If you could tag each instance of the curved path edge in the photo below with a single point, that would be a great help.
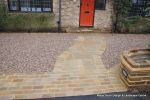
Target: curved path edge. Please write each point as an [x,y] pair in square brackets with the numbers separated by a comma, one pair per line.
[78,71]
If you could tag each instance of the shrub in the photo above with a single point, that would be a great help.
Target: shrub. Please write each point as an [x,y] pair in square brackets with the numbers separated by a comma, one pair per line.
[135,25]
[121,8]
[31,22]
[125,23]
[3,15]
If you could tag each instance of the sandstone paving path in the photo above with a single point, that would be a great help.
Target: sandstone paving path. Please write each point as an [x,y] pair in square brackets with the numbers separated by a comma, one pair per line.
[78,71]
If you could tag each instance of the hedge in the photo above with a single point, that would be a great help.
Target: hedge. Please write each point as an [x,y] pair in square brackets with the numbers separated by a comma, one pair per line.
[3,15]
[135,24]
[31,22]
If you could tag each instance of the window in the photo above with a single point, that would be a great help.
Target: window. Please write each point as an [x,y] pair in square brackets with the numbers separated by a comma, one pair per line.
[140,8]
[13,5]
[25,5]
[46,6]
[36,5]
[134,1]
[139,2]
[30,5]
[100,4]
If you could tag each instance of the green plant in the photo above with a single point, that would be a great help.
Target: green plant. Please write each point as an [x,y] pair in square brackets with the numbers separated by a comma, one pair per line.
[135,24]
[30,22]
[121,8]
[3,15]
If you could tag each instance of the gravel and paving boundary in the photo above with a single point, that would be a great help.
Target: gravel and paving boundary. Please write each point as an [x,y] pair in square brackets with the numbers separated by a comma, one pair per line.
[116,43]
[79,70]
[31,52]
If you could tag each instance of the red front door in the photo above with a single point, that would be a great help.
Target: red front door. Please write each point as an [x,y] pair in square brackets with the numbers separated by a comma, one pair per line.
[87,13]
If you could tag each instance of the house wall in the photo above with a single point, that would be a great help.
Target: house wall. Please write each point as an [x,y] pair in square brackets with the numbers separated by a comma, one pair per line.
[70,12]
[71,15]
[103,18]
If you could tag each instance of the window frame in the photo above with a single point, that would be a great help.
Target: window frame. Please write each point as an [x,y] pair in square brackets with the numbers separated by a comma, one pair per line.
[19,8]
[138,2]
[104,8]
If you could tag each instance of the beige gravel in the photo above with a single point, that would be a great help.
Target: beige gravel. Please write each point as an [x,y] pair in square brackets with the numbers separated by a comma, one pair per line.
[31,52]
[117,43]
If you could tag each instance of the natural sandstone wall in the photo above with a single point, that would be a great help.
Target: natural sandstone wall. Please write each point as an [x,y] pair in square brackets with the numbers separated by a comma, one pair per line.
[56,10]
[103,18]
[70,12]
[71,15]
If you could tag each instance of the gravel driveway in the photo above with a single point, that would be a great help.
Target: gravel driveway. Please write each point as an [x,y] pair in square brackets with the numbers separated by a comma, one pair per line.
[116,43]
[31,52]
[37,52]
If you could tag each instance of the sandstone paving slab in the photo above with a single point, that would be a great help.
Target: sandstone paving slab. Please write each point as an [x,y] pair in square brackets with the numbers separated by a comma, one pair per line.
[78,71]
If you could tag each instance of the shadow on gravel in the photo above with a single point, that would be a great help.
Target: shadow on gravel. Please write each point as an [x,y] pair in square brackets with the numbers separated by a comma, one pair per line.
[109,96]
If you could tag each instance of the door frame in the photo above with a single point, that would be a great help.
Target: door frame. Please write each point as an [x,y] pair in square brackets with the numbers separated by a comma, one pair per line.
[93,16]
